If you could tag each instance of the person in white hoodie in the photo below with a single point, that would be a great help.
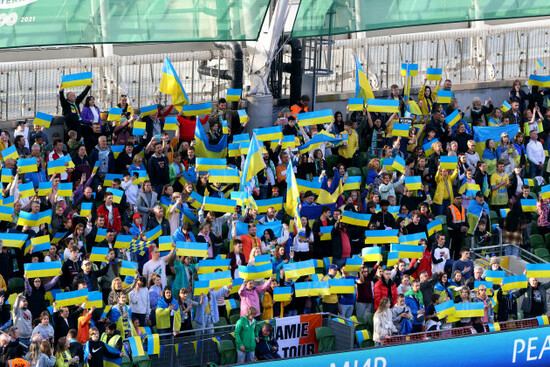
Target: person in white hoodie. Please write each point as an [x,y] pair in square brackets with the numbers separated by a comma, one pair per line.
[440,254]
[22,319]
[139,301]
[383,323]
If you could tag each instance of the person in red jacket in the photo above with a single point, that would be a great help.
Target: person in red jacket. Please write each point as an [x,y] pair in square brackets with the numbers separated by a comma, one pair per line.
[425,264]
[110,213]
[385,288]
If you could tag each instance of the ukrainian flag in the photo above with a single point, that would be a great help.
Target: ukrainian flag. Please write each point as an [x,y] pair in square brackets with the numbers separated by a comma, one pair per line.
[408,251]
[276,203]
[545,192]
[7,175]
[42,270]
[514,282]
[315,118]
[116,149]
[269,133]
[86,209]
[170,123]
[139,128]
[256,272]
[100,234]
[298,269]
[505,106]
[27,218]
[413,182]
[65,189]
[234,150]
[99,254]
[289,141]
[352,183]
[43,119]
[26,190]
[539,64]
[219,205]
[401,129]
[205,164]
[529,181]
[282,294]
[428,147]
[362,86]
[225,127]
[210,265]
[243,117]
[201,287]
[354,263]
[58,236]
[233,95]
[306,289]
[170,84]
[471,309]
[153,344]
[381,236]
[204,149]
[197,109]
[254,162]
[399,164]
[128,268]
[493,327]
[95,298]
[6,213]
[154,233]
[44,188]
[64,299]
[76,80]
[356,219]
[15,240]
[241,138]
[146,110]
[117,194]
[412,239]
[372,254]
[445,309]
[356,104]
[434,74]
[539,80]
[164,243]
[448,162]
[59,165]
[45,217]
[342,286]
[228,175]
[362,335]
[434,226]
[444,96]
[115,114]
[327,233]
[529,205]
[217,280]
[469,188]
[538,270]
[409,69]
[453,118]
[10,153]
[292,197]
[136,347]
[124,241]
[195,200]
[383,105]
[194,249]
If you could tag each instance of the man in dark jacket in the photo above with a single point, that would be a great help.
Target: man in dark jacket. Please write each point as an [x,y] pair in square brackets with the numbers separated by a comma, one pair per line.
[383,218]
[153,126]
[71,109]
[65,319]
[89,276]
[267,347]
[321,248]
[341,245]
[158,169]
[534,303]
[427,285]
[159,220]
[71,267]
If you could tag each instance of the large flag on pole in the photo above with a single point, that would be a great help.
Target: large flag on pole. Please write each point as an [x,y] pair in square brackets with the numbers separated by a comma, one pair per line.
[292,196]
[254,162]
[170,84]
[362,86]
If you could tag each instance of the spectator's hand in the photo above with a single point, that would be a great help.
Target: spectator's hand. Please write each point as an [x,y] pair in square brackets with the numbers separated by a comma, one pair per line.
[242,348]
[467,269]
[257,340]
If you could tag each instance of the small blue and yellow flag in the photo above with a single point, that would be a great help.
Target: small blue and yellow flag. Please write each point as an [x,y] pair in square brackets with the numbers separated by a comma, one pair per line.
[543,320]
[86,209]
[243,116]
[210,265]
[139,128]
[305,185]
[315,288]
[445,309]
[241,138]
[342,286]
[399,164]
[10,153]
[164,243]
[276,203]
[538,270]
[64,299]
[64,189]
[6,213]
[434,74]
[115,114]
[201,287]
[15,240]
[282,294]
[326,233]
[493,327]
[381,236]
[529,182]
[225,127]
[356,104]
[205,164]
[43,119]
[372,253]
[401,129]
[41,243]
[136,346]
[197,109]
[514,282]
[470,309]
[269,133]
[545,192]
[539,80]
[444,96]
[362,86]
[234,149]
[195,249]
[95,298]
[99,254]
[45,217]
[408,69]
[117,194]
[256,272]
[233,95]
[539,64]
[42,270]
[26,190]
[434,226]
[469,189]
[448,162]
[412,239]
[218,279]
[408,251]
[453,118]
[125,240]
[315,118]
[148,110]
[60,165]
[7,175]
[495,276]
[58,236]
[227,175]
[289,141]
[76,80]
[354,263]
[393,258]
[413,182]
[109,177]
[101,234]
[383,105]
[154,233]
[171,123]
[505,106]
[153,344]
[219,205]
[116,149]
[529,205]
[428,147]
[362,335]
[356,219]
[352,183]
[298,269]
[128,268]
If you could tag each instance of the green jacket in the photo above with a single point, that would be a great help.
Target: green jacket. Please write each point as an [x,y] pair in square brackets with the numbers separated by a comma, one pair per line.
[245,334]
[181,280]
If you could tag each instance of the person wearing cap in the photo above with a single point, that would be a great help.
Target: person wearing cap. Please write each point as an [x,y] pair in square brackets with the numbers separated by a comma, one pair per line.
[383,218]
[457,224]
[137,225]
[22,319]
[89,276]
[331,303]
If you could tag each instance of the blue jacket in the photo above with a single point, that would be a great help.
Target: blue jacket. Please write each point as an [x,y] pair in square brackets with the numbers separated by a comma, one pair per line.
[415,307]
[94,156]
[179,236]
[36,177]
[214,296]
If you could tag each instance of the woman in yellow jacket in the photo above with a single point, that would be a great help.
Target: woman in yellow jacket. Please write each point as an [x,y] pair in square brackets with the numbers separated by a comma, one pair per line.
[444,190]
[62,356]
[270,306]
[427,98]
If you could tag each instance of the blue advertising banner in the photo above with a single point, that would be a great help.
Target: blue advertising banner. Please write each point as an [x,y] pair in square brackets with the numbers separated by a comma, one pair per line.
[527,347]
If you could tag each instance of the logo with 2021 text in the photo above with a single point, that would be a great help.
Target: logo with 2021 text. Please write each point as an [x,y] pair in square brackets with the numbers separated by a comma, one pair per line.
[11,19]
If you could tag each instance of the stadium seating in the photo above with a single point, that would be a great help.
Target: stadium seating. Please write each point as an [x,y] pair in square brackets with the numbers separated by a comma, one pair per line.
[326,339]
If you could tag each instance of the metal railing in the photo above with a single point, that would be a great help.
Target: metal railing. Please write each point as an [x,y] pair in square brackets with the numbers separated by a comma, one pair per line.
[504,250]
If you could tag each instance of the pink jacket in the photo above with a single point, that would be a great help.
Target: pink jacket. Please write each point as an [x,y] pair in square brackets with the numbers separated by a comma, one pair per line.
[251,298]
